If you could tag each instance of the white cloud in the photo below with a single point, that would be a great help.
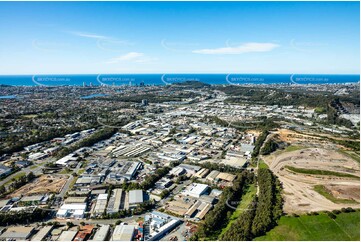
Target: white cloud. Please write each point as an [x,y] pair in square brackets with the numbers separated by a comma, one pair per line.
[132,57]
[89,35]
[243,48]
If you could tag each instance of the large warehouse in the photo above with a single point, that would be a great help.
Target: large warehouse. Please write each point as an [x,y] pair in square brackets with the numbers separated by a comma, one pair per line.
[135,198]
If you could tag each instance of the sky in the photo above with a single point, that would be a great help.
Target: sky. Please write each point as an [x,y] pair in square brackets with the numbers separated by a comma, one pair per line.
[179,37]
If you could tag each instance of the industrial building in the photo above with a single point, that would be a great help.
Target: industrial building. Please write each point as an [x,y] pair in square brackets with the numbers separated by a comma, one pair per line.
[66,159]
[177,171]
[126,171]
[75,200]
[212,176]
[100,204]
[135,198]
[226,177]
[42,233]
[17,233]
[131,150]
[195,190]
[123,232]
[201,173]
[132,170]
[116,201]
[35,199]
[67,235]
[160,224]
[191,169]
[4,171]
[102,233]
[87,180]
[73,210]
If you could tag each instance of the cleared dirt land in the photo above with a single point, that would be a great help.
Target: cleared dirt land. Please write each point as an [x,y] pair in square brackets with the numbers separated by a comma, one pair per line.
[336,175]
[42,185]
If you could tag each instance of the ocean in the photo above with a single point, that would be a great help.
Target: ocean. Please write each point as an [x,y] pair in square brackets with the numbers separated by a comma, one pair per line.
[165,79]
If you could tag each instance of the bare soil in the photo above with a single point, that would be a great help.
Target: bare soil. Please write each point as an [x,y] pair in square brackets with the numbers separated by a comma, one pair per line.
[42,185]
[299,194]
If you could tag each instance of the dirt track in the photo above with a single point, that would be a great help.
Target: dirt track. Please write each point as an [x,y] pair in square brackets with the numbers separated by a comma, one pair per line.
[298,188]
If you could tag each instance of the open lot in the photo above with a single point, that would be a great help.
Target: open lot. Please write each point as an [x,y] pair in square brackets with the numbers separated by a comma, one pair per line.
[316,227]
[43,184]
[300,170]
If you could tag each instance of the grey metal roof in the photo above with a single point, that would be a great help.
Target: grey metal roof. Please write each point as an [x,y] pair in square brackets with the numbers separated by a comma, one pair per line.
[135,196]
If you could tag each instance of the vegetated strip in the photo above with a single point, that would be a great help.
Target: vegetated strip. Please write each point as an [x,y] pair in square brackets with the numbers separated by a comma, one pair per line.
[320,172]
[218,218]
[262,214]
[245,205]
[99,135]
[321,189]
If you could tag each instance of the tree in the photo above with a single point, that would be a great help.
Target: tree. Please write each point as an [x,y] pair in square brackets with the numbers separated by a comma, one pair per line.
[30,176]
[69,224]
[2,189]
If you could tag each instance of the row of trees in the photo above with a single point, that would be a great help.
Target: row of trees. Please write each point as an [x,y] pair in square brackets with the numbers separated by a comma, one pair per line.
[23,217]
[149,180]
[259,142]
[17,183]
[222,211]
[269,204]
[241,229]
[99,135]
[270,146]
[217,166]
[262,214]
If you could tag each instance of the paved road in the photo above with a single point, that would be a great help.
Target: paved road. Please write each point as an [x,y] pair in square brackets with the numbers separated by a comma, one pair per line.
[68,182]
[98,221]
[27,170]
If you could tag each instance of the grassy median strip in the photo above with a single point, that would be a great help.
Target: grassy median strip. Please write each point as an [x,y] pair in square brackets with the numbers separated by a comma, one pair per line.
[320,172]
[321,189]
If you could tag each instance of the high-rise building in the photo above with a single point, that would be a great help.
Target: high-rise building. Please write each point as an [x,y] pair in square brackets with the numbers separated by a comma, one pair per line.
[144,102]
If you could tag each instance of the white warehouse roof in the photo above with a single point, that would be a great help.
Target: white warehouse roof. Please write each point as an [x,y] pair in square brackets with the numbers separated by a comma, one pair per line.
[135,196]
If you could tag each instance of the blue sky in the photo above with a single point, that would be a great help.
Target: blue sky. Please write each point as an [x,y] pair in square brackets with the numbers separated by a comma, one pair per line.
[179,37]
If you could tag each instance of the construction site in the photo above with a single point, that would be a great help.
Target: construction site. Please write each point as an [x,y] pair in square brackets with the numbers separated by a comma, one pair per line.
[316,179]
[44,184]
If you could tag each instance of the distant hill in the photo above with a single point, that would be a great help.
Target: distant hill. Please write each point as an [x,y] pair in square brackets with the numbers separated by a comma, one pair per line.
[193,84]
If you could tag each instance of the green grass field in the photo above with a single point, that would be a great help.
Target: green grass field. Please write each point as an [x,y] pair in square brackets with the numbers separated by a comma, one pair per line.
[316,227]
[293,148]
[320,172]
[246,200]
[262,164]
[324,192]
